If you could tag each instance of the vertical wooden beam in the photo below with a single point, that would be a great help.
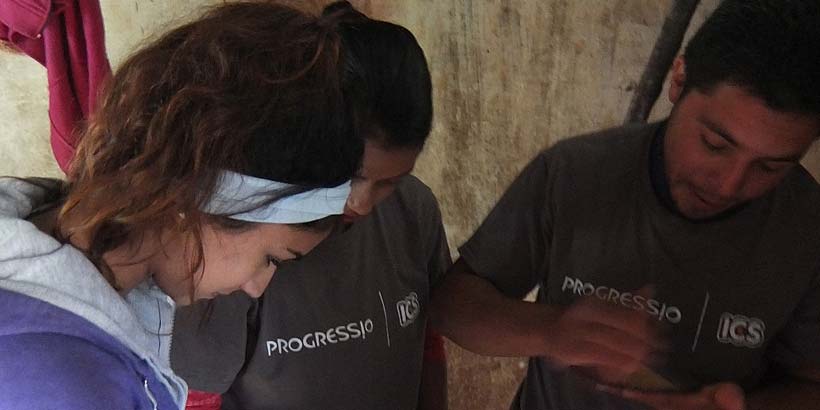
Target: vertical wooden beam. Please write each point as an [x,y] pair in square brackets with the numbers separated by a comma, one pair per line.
[663,54]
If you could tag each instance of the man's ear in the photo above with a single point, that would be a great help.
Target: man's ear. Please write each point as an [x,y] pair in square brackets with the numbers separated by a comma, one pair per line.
[677,81]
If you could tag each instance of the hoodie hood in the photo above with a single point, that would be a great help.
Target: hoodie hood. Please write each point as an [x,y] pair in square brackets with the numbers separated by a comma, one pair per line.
[36,265]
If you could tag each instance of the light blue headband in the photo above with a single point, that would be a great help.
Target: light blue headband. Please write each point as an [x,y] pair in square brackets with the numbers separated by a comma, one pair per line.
[242,197]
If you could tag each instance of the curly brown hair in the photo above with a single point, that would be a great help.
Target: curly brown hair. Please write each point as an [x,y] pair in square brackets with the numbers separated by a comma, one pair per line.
[254,87]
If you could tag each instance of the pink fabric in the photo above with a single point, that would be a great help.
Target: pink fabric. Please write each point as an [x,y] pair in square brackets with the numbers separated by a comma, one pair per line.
[434,350]
[67,37]
[200,400]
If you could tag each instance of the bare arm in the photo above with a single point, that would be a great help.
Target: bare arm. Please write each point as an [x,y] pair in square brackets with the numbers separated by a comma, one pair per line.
[474,314]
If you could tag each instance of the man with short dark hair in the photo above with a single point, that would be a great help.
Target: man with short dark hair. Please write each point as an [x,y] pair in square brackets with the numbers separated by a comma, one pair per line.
[678,262]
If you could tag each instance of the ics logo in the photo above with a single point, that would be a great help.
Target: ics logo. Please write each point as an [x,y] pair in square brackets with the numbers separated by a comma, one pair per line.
[740,330]
[408,309]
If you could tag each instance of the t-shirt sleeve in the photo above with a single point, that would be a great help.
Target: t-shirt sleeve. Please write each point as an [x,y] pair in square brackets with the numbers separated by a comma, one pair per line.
[510,248]
[798,344]
[210,339]
[53,371]
[440,260]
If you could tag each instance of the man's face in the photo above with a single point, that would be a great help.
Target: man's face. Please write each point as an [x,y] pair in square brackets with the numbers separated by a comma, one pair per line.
[726,147]
[382,169]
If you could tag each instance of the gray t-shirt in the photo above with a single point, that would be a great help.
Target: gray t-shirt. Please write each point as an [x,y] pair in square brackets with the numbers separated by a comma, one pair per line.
[341,329]
[735,294]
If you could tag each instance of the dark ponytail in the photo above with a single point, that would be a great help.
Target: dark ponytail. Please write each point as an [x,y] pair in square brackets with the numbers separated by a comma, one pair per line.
[396,91]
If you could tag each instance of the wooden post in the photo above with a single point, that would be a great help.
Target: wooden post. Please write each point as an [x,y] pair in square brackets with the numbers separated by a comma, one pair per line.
[663,54]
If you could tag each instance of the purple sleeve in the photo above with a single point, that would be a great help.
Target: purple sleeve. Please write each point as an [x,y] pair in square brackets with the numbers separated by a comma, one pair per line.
[54,371]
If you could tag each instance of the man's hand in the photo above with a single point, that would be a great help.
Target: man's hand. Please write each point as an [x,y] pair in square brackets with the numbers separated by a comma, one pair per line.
[600,337]
[720,396]
[608,341]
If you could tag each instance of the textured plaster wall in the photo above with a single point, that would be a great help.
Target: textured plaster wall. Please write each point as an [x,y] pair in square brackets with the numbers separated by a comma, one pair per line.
[510,76]
[24,135]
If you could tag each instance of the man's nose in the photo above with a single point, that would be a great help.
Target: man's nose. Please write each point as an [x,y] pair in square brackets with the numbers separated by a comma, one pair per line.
[732,179]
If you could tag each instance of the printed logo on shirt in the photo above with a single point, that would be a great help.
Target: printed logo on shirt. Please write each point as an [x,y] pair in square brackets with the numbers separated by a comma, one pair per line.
[408,309]
[339,334]
[739,330]
[653,307]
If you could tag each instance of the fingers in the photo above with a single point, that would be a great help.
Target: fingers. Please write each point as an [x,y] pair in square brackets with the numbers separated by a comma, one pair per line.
[723,396]
[612,347]
[603,357]
[604,337]
[729,396]
[628,331]
[658,401]
[631,321]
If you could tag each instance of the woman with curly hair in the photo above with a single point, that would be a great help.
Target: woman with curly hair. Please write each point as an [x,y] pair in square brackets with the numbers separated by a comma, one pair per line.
[219,151]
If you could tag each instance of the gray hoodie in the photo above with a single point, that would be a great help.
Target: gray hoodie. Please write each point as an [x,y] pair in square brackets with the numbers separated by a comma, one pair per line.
[36,265]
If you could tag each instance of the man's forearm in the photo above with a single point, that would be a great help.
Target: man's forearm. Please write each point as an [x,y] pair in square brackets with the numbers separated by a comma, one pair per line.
[474,314]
